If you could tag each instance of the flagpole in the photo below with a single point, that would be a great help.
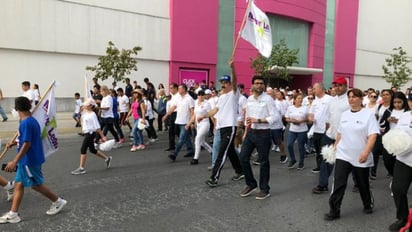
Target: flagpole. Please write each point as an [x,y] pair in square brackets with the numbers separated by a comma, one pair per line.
[241,27]
[6,149]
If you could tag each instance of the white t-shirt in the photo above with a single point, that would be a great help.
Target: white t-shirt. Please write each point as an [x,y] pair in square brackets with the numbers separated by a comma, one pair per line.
[107,102]
[277,124]
[77,106]
[396,114]
[242,105]
[202,109]
[90,123]
[149,109]
[123,103]
[404,123]
[36,93]
[183,106]
[319,109]
[355,127]
[228,105]
[337,106]
[30,95]
[298,114]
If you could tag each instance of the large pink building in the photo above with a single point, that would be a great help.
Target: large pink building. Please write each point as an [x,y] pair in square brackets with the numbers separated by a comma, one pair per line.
[203,33]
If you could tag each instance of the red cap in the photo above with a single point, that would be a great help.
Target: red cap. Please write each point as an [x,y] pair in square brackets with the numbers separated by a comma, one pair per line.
[340,81]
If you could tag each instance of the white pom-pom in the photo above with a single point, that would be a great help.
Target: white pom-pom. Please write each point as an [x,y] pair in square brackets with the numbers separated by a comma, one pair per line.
[329,153]
[397,142]
[142,125]
[108,145]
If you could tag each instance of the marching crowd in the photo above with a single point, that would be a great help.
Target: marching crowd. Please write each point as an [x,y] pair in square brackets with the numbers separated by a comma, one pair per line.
[245,128]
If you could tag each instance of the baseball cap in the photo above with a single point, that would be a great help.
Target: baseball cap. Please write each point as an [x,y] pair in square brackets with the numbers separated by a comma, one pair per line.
[225,78]
[340,81]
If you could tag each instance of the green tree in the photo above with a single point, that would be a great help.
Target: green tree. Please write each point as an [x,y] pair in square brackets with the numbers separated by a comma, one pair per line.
[116,63]
[281,57]
[396,71]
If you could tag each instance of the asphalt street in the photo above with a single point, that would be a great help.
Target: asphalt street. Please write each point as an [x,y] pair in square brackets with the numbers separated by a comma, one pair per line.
[145,191]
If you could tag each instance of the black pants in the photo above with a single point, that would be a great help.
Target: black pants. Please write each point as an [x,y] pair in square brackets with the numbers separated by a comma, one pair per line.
[402,178]
[317,143]
[342,170]
[160,122]
[88,142]
[173,131]
[150,130]
[107,125]
[227,148]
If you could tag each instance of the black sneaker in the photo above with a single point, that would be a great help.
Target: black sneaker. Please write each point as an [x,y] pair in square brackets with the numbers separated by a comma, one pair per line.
[211,182]
[291,164]
[256,162]
[172,157]
[396,226]
[332,215]
[283,159]
[319,190]
[5,119]
[373,176]
[316,170]
[194,162]
[301,166]
[238,177]
[368,210]
[247,191]
[355,189]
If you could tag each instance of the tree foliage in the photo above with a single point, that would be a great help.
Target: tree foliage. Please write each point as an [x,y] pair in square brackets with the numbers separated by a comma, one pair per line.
[396,71]
[281,56]
[117,64]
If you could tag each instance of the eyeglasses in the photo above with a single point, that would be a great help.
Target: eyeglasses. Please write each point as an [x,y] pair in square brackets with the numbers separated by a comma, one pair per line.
[374,96]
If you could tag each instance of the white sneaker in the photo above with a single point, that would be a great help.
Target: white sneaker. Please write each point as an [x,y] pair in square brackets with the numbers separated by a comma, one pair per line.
[116,145]
[56,207]
[10,192]
[78,171]
[10,218]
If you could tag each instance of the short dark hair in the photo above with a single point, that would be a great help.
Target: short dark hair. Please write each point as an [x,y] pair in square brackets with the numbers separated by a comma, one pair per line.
[120,90]
[22,104]
[26,83]
[183,86]
[258,77]
[77,94]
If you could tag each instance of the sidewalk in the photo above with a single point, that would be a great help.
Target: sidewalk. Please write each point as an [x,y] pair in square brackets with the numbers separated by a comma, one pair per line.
[65,126]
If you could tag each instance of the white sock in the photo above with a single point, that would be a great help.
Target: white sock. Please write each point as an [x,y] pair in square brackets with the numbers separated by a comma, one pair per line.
[12,213]
[58,200]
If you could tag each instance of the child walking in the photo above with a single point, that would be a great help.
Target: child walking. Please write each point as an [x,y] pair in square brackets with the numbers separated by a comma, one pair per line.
[77,106]
[29,158]
[90,126]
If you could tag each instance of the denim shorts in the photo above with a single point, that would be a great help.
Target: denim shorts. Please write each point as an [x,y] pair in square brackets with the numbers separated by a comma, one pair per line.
[29,176]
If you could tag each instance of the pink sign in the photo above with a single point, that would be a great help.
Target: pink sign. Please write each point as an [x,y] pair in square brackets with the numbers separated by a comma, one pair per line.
[190,76]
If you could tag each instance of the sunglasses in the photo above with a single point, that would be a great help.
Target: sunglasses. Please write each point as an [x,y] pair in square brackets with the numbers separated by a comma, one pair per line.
[310,98]
[374,96]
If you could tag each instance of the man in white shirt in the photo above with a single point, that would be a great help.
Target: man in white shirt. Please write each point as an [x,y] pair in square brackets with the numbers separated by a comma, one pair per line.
[28,93]
[184,105]
[337,106]
[318,114]
[2,113]
[259,113]
[172,117]
[226,111]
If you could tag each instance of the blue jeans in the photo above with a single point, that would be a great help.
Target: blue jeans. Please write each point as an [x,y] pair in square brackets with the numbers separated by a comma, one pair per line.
[3,115]
[325,168]
[184,138]
[216,146]
[137,134]
[301,137]
[262,142]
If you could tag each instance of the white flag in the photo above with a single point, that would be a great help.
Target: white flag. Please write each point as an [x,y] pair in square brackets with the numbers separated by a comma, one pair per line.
[45,114]
[257,30]
[87,93]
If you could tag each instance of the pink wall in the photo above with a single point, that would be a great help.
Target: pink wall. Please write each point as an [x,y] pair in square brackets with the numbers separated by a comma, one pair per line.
[194,28]
[345,38]
[312,11]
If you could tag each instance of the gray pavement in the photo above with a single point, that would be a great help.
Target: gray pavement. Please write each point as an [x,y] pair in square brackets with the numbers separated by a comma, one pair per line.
[144,191]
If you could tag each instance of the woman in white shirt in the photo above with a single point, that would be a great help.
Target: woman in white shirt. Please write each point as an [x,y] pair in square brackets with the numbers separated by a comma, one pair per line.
[389,119]
[201,108]
[297,115]
[372,105]
[356,136]
[402,174]
[107,117]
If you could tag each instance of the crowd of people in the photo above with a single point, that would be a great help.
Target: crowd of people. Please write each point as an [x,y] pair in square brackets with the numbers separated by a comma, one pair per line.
[244,129]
